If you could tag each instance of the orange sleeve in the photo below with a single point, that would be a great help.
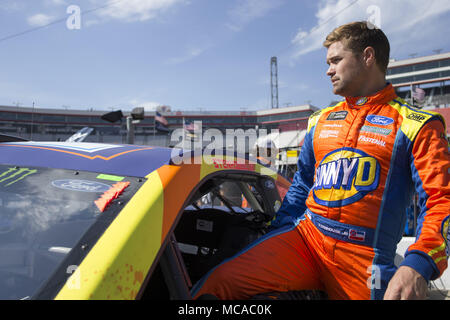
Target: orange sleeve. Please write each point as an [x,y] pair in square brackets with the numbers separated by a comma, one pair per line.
[430,166]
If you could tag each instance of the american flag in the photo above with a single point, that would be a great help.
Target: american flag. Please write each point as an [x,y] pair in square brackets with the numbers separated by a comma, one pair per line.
[161,123]
[189,125]
[418,94]
[159,118]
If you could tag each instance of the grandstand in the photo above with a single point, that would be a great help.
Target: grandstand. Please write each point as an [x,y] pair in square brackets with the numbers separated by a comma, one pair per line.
[423,82]
[430,74]
[58,124]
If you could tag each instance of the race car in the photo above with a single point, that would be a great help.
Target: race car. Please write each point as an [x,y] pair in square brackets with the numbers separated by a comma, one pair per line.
[104,221]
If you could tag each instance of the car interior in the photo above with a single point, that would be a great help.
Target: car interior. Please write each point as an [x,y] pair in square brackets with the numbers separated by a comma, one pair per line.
[225,214]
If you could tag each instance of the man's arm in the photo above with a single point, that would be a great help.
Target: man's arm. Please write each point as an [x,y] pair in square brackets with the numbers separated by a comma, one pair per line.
[426,259]
[406,284]
[293,205]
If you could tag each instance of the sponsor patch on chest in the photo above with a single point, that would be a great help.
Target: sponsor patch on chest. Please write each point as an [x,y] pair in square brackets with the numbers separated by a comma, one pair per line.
[345,176]
[337,115]
[416,117]
[356,235]
[376,130]
[328,134]
[379,120]
[372,140]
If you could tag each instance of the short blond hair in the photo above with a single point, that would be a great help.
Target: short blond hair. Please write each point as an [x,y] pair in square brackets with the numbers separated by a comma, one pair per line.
[359,35]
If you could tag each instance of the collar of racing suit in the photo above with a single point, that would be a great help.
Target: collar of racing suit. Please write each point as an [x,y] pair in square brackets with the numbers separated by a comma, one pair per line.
[383,96]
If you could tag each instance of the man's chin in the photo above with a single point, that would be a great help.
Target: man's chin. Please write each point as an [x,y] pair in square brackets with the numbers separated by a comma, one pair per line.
[338,91]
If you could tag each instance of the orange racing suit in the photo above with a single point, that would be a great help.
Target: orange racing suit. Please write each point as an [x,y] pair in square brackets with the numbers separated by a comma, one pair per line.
[340,222]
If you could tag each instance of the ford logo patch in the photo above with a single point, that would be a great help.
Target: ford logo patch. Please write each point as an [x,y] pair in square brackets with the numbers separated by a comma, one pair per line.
[81,185]
[381,120]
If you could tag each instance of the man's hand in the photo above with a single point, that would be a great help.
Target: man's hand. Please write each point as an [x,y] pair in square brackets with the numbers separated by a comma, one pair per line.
[406,284]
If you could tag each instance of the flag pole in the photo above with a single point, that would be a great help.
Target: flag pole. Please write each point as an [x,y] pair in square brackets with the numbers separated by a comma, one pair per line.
[184,135]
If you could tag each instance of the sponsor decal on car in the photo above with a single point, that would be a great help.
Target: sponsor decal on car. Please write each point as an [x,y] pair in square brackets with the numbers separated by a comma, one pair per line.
[13,175]
[222,164]
[112,193]
[81,185]
[72,146]
[110,177]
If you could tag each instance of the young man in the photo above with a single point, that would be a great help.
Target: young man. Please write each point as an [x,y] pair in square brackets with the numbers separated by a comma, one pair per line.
[341,220]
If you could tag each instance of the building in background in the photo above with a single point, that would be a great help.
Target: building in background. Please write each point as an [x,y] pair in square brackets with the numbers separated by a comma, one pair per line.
[59,124]
[424,82]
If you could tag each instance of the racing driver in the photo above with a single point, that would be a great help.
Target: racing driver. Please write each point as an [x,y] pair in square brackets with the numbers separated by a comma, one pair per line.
[361,161]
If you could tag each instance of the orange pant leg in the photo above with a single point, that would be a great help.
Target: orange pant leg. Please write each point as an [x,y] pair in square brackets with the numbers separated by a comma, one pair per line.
[279,261]
[345,268]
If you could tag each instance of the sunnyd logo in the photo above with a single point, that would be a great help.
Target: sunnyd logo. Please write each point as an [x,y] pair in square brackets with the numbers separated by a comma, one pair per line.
[345,176]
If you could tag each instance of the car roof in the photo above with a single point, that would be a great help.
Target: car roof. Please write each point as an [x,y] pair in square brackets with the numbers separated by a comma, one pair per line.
[127,160]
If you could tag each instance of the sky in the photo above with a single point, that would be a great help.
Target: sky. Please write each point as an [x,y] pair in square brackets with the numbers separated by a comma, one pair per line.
[191,55]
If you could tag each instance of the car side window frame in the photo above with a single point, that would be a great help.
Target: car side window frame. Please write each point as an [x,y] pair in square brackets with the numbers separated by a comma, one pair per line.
[171,262]
[174,271]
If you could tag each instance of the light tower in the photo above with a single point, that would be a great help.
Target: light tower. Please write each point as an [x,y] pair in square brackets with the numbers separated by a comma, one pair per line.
[274,81]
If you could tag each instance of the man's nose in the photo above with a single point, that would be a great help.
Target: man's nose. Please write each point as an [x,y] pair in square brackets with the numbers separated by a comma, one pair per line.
[330,71]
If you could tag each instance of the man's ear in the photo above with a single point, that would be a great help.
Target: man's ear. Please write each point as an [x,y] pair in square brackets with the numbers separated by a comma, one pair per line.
[369,56]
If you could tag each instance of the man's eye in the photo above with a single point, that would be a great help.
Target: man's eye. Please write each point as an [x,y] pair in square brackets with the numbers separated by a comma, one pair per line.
[333,61]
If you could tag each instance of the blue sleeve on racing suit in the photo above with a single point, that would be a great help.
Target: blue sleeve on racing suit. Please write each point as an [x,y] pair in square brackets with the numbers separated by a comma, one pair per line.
[293,206]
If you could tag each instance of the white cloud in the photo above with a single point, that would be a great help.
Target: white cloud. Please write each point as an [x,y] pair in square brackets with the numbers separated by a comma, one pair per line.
[55,2]
[417,25]
[191,53]
[136,10]
[39,20]
[248,10]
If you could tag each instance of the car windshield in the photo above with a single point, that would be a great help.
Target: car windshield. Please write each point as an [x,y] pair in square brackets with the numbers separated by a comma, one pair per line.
[44,213]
